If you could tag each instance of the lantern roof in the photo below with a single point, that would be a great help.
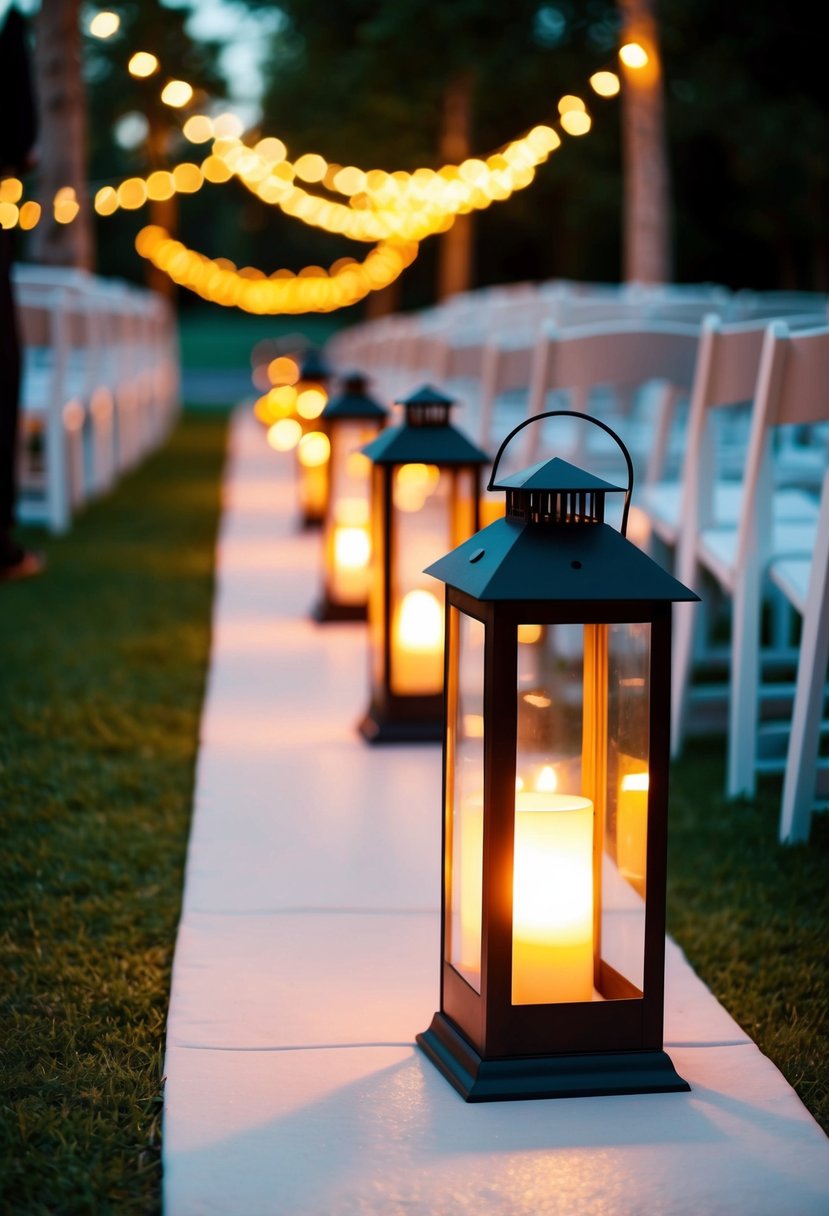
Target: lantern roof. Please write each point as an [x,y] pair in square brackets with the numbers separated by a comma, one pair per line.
[353,401]
[424,444]
[313,366]
[515,560]
[555,474]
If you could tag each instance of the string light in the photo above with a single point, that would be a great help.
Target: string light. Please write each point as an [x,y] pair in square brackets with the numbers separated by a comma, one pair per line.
[312,290]
[394,211]
[104,24]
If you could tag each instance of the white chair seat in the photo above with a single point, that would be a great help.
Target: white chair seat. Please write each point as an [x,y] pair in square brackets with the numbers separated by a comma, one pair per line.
[718,546]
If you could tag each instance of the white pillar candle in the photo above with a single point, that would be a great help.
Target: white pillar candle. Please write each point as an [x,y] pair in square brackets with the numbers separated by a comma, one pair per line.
[417,645]
[552,900]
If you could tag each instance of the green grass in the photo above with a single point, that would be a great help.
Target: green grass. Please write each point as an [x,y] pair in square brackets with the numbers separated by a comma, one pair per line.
[103,673]
[753,916]
[102,680]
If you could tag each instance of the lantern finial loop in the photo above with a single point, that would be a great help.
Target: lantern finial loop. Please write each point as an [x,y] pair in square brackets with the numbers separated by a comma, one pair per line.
[586,418]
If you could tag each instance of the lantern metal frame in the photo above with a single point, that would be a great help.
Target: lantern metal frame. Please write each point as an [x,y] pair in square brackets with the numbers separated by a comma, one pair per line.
[425,437]
[352,405]
[552,560]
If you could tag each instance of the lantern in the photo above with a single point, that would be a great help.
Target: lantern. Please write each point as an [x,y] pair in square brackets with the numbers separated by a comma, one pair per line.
[350,421]
[556,760]
[425,494]
[313,448]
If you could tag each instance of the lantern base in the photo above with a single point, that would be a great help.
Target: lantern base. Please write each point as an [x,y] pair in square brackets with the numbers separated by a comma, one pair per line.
[328,610]
[585,1075]
[376,729]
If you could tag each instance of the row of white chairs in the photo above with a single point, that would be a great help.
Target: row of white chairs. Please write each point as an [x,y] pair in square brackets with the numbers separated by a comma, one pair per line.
[711,480]
[99,391]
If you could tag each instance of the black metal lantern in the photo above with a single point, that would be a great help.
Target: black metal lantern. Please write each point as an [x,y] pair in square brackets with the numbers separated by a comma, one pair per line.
[556,761]
[350,421]
[425,498]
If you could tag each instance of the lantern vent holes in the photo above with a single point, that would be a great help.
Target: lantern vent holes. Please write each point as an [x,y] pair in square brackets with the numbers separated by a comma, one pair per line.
[476,556]
[427,413]
[575,565]
[556,506]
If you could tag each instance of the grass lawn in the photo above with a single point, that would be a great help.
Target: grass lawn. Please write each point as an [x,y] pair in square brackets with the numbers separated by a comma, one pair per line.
[102,681]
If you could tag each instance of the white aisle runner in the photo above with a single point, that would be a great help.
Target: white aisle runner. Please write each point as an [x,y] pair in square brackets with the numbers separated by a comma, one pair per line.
[307,960]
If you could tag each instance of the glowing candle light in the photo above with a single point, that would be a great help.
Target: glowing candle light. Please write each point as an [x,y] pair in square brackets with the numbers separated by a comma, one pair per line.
[352,551]
[417,657]
[552,914]
[632,829]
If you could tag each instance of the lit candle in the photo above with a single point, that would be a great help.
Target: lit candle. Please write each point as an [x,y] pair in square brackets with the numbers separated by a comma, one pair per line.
[632,829]
[552,902]
[313,451]
[417,645]
[352,551]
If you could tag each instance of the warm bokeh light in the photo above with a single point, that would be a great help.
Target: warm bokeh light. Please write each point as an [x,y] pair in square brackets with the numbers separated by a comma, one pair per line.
[311,167]
[9,215]
[633,55]
[104,24]
[228,125]
[198,129]
[606,84]
[314,449]
[576,122]
[29,215]
[284,435]
[11,190]
[310,402]
[160,185]
[132,193]
[106,201]
[142,64]
[66,205]
[283,370]
[188,178]
[570,102]
[177,93]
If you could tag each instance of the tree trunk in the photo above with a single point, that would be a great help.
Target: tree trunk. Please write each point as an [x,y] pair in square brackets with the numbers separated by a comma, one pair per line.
[62,144]
[647,226]
[163,212]
[455,254]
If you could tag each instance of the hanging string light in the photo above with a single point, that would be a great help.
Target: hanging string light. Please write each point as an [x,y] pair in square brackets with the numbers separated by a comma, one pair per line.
[393,210]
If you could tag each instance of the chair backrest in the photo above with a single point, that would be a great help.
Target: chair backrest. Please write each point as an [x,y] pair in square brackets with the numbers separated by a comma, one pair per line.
[622,357]
[792,390]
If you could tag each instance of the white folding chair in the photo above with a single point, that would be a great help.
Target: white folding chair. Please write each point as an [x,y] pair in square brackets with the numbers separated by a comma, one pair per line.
[630,374]
[804,580]
[51,456]
[792,389]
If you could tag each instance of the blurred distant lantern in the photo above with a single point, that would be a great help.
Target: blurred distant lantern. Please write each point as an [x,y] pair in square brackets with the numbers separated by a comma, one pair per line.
[350,421]
[313,449]
[424,499]
[556,759]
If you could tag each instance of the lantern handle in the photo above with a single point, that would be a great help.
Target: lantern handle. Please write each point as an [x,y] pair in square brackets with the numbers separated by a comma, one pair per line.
[586,418]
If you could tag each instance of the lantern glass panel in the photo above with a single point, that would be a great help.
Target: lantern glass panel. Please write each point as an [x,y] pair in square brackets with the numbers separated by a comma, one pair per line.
[624,864]
[464,796]
[421,495]
[580,811]
[348,540]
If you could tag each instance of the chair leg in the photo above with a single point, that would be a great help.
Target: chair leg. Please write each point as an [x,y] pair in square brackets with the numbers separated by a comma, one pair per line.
[810,689]
[741,779]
